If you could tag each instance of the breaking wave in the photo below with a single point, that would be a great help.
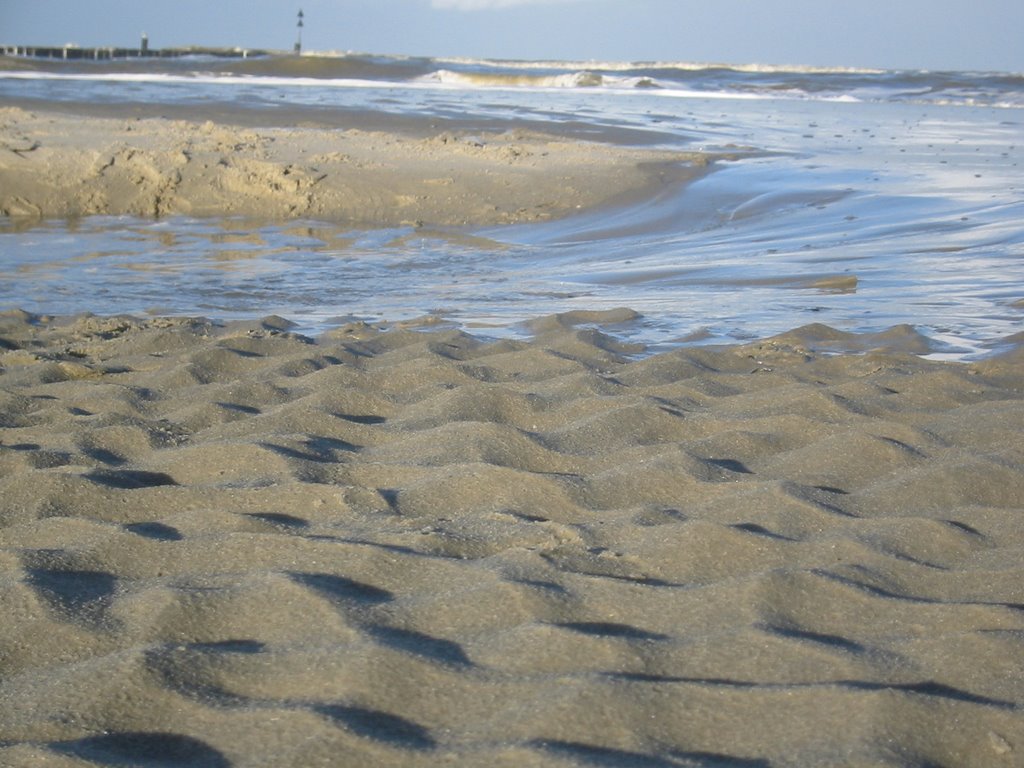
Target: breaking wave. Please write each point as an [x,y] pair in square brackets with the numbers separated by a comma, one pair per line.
[678,79]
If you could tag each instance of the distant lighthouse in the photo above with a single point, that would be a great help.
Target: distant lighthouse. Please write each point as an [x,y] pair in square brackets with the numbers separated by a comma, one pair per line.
[298,41]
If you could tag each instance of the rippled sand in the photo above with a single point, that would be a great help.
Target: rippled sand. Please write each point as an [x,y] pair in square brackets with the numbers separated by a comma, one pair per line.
[234,545]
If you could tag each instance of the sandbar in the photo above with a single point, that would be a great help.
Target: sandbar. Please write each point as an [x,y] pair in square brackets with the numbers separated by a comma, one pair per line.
[58,164]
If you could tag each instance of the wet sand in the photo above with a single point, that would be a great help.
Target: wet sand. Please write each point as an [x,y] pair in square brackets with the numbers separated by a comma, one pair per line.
[234,545]
[231,544]
[85,161]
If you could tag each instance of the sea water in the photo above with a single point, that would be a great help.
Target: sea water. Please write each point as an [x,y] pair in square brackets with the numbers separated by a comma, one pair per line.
[861,199]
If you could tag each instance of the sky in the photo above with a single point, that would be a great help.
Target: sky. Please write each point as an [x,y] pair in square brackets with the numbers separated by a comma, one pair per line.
[893,34]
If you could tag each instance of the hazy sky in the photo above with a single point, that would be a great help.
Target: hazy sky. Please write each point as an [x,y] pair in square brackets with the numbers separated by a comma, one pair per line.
[925,34]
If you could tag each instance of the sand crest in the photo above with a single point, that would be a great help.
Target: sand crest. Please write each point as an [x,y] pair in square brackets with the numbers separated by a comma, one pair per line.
[56,164]
[233,545]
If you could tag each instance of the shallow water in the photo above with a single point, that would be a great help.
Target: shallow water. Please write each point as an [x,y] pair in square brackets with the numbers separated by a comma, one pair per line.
[858,214]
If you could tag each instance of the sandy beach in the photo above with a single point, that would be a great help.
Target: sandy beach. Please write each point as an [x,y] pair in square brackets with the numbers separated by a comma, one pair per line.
[73,163]
[235,545]
[401,544]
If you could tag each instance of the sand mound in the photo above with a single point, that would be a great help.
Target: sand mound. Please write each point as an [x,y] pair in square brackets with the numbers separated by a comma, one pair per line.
[54,164]
[239,546]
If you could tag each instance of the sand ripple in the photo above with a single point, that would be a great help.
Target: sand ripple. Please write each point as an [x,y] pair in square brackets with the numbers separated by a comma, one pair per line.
[236,546]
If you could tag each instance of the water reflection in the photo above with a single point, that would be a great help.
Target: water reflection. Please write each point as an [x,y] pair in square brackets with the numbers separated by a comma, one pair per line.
[699,285]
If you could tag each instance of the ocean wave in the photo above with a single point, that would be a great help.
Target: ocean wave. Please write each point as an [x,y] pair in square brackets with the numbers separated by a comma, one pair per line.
[629,66]
[670,79]
[503,81]
[202,78]
[572,79]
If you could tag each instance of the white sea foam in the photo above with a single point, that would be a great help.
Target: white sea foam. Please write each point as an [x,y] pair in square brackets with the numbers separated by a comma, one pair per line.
[625,66]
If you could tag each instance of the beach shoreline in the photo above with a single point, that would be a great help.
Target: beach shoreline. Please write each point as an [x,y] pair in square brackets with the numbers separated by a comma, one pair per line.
[225,541]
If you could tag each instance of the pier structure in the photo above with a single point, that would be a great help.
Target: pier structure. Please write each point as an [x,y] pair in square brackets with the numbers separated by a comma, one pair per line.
[72,52]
